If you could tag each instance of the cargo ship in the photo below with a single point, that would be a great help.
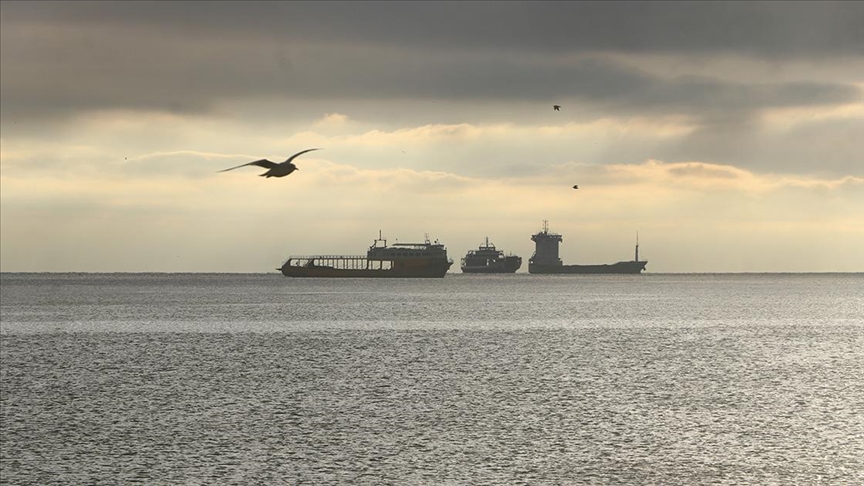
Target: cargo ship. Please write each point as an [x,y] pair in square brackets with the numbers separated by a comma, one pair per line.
[546,261]
[488,259]
[399,260]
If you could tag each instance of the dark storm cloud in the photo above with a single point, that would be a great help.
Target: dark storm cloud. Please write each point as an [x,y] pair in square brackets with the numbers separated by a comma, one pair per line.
[769,29]
[824,148]
[68,71]
[64,58]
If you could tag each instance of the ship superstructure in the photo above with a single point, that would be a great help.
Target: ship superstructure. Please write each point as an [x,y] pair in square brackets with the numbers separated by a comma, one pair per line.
[546,259]
[488,259]
[545,248]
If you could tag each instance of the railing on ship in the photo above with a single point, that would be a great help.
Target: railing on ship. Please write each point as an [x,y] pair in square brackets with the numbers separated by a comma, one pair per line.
[342,262]
[332,257]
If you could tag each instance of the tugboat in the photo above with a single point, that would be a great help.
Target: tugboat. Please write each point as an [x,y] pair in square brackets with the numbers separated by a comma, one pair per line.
[405,260]
[488,259]
[545,258]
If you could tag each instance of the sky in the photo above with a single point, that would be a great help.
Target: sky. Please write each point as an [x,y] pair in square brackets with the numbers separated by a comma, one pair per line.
[728,135]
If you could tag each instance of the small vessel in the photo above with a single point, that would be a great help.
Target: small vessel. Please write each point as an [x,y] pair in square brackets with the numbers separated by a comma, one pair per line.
[546,260]
[488,259]
[405,260]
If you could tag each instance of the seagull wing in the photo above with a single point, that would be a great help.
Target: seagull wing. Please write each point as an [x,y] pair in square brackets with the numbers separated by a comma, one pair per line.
[299,154]
[260,163]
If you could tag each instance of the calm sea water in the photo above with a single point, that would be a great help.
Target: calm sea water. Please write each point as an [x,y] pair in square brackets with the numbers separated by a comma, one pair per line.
[510,379]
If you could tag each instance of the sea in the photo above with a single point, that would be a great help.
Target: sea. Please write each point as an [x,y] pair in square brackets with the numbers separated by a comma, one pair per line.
[258,379]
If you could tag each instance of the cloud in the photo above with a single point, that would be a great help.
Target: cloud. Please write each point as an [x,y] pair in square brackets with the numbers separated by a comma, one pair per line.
[705,126]
[154,57]
[705,171]
[765,29]
[126,144]
[330,207]
[694,175]
[331,120]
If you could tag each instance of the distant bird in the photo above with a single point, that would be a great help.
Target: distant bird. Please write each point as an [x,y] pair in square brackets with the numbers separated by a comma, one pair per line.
[576,186]
[556,107]
[276,170]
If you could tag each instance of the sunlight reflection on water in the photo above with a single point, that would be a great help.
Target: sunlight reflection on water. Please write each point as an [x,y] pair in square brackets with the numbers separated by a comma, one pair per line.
[248,379]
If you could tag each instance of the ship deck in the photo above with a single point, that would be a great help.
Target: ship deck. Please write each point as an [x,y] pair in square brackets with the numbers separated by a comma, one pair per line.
[337,262]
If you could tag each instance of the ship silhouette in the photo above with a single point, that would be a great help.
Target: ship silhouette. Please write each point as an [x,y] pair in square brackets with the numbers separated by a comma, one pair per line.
[399,260]
[488,259]
[545,259]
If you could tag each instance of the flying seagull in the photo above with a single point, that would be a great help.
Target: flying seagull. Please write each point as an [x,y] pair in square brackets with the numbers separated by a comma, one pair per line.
[276,170]
[556,107]
[576,186]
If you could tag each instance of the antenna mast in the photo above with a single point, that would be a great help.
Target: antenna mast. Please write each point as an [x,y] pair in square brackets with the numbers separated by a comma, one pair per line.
[380,238]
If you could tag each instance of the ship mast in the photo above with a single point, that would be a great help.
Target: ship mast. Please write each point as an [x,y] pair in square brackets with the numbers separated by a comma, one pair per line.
[637,246]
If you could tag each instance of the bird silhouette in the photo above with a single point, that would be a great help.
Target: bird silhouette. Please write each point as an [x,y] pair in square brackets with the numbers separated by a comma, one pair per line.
[556,107]
[276,170]
[576,186]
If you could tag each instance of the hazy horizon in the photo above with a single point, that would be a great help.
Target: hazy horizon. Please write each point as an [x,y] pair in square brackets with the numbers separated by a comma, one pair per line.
[728,135]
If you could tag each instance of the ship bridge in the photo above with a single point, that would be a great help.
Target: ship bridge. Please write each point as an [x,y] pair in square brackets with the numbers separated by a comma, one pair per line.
[426,250]
[546,247]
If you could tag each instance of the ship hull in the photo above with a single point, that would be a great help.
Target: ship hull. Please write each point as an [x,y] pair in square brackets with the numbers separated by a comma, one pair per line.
[631,267]
[435,270]
[506,266]
[488,270]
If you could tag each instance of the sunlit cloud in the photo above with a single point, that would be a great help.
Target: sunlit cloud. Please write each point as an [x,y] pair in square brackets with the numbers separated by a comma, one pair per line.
[664,201]
[784,119]
[332,119]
